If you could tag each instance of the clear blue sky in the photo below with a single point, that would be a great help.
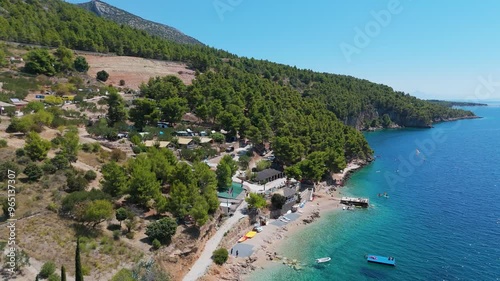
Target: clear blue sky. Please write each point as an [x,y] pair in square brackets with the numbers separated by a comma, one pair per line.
[429,48]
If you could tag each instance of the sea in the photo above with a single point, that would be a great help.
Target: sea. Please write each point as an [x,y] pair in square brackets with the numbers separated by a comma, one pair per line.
[440,219]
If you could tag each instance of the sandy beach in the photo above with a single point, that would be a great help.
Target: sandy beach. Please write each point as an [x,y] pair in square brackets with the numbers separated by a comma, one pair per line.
[256,253]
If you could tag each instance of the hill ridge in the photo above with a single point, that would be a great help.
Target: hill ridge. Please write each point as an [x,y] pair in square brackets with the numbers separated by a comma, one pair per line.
[107,11]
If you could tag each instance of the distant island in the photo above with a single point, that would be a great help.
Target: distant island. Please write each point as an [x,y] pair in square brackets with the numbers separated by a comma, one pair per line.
[456,103]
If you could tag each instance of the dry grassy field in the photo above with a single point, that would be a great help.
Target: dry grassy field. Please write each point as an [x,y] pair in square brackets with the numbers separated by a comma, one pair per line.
[135,70]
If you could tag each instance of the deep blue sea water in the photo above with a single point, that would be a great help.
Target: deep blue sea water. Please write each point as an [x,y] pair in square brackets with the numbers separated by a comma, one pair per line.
[441,220]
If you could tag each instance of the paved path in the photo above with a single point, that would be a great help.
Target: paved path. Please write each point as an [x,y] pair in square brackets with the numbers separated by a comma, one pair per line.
[205,260]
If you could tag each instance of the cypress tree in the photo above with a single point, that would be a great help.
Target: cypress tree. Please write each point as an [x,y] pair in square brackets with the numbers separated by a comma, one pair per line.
[78,264]
[63,273]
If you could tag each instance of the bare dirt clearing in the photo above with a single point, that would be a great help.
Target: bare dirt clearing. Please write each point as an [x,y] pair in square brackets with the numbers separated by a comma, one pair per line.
[136,70]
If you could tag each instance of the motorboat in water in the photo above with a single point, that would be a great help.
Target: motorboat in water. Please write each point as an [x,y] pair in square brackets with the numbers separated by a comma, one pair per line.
[322,260]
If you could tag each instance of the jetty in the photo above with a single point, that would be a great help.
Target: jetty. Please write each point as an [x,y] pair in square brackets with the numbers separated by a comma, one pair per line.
[363,202]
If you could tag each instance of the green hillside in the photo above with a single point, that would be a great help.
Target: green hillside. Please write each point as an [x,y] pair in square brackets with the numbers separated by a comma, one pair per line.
[303,113]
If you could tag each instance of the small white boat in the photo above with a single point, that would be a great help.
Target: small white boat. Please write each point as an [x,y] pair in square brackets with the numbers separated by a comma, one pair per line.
[322,260]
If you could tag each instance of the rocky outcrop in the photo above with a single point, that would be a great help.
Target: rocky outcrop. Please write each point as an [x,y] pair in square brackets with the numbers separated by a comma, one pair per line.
[311,218]
[122,17]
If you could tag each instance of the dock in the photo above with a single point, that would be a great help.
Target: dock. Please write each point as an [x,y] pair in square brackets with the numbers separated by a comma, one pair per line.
[363,202]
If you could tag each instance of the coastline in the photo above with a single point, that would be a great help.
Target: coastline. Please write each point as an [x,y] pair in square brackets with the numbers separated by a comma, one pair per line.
[267,245]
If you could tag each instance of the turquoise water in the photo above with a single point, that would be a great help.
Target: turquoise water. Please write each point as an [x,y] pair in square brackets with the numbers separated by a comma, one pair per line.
[237,189]
[441,220]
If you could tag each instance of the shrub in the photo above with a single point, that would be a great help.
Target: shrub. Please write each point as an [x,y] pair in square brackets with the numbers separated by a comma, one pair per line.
[60,161]
[54,277]
[162,229]
[123,275]
[90,175]
[102,76]
[130,235]
[52,207]
[117,155]
[86,147]
[5,167]
[122,82]
[20,152]
[86,270]
[49,168]
[136,149]
[47,269]
[116,234]
[220,256]
[3,143]
[33,172]
[81,64]
[156,244]
[96,147]
[262,165]
[76,182]
[25,160]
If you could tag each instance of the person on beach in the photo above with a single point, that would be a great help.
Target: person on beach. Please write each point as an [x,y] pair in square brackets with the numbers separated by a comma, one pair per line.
[236,253]
[231,251]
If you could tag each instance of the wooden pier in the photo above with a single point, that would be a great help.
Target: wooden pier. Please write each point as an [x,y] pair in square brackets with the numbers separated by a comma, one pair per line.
[363,202]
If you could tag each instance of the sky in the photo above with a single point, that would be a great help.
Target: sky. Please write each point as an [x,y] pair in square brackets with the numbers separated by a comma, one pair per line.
[444,49]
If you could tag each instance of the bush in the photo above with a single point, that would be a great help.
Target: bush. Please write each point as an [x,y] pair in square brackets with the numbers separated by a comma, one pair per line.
[90,175]
[5,167]
[102,76]
[20,152]
[220,256]
[47,269]
[262,165]
[49,168]
[122,82]
[96,147]
[123,275]
[57,141]
[162,229]
[60,161]
[130,235]
[136,149]
[156,244]
[54,277]
[86,147]
[117,155]
[76,182]
[25,160]
[52,207]
[3,143]
[81,64]
[116,234]
[33,172]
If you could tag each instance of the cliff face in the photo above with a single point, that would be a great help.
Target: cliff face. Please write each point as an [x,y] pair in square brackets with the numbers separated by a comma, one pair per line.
[122,17]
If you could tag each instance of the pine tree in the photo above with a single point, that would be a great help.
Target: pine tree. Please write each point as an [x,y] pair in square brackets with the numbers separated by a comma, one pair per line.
[78,264]
[63,273]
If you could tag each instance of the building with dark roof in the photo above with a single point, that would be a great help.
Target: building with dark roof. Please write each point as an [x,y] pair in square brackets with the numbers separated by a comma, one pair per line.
[268,175]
